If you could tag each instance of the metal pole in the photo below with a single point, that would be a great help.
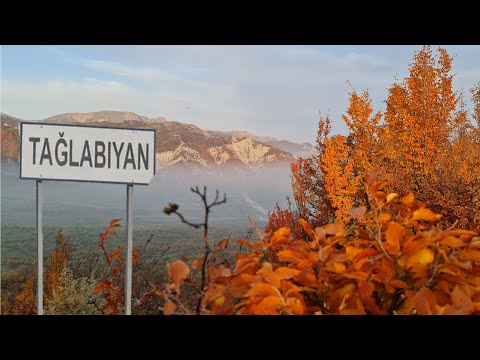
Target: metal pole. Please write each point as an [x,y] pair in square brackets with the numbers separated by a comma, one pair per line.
[39,248]
[128,272]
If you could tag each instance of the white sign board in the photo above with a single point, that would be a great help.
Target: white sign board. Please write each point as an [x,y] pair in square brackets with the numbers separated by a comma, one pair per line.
[86,153]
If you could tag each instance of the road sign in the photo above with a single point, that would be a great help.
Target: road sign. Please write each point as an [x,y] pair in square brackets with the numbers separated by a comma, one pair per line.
[87,153]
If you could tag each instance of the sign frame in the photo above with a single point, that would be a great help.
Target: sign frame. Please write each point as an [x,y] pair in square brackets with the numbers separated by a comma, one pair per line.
[129,212]
[92,127]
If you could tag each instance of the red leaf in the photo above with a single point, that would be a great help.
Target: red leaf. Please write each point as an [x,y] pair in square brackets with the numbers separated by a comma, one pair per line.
[113,221]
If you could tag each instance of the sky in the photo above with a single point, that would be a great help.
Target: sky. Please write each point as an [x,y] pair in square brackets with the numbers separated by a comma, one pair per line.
[277,91]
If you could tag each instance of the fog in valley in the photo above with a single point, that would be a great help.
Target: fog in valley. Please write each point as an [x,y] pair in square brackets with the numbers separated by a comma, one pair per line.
[83,209]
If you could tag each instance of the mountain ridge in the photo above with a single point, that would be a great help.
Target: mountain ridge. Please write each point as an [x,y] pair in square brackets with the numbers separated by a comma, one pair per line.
[178,144]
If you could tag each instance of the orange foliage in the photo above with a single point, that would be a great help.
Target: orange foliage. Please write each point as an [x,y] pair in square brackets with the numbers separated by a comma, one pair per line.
[113,290]
[280,218]
[425,144]
[385,262]
[54,272]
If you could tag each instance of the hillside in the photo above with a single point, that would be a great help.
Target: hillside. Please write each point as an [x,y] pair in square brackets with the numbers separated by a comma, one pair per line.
[177,144]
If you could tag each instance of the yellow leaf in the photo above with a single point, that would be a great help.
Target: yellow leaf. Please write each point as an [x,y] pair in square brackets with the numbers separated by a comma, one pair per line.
[219,300]
[425,214]
[423,257]
[391,196]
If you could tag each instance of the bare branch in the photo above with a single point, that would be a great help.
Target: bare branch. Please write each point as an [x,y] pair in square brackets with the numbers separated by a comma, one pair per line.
[173,208]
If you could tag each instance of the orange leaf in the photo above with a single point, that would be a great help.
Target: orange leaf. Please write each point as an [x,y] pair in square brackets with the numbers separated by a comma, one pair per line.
[358,275]
[365,253]
[384,218]
[280,234]
[407,199]
[269,276]
[453,241]
[288,255]
[425,214]
[398,284]
[462,304]
[222,244]
[351,251]
[178,272]
[262,289]
[475,243]
[169,308]
[335,267]
[295,306]
[394,235]
[286,273]
[241,284]
[103,286]
[268,306]
[425,303]
[307,227]
[217,271]
[135,255]
[213,292]
[113,221]
[470,255]
[115,255]
[250,245]
[197,263]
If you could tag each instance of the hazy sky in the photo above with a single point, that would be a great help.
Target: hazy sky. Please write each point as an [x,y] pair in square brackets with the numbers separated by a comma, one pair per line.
[270,90]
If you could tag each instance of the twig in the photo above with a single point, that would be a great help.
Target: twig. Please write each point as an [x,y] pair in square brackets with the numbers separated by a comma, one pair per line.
[173,208]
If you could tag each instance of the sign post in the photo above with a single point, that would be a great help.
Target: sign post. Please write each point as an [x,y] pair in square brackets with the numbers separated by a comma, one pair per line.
[39,231]
[63,152]
[128,277]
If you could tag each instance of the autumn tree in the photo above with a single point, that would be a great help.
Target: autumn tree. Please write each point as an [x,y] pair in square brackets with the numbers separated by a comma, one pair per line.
[424,142]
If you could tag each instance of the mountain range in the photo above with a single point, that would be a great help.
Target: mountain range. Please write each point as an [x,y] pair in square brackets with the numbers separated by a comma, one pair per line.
[177,144]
